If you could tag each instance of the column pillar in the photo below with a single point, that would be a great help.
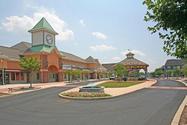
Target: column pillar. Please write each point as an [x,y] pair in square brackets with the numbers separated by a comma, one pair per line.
[60,76]
[145,72]
[44,76]
[3,76]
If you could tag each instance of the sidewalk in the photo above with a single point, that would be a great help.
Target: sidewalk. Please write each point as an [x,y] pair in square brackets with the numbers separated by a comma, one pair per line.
[184,81]
[125,90]
[23,88]
[37,86]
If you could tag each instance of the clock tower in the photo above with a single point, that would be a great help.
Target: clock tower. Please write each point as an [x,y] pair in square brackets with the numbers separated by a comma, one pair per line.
[43,34]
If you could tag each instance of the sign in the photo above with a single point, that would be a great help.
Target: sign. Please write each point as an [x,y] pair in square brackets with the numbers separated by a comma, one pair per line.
[67,67]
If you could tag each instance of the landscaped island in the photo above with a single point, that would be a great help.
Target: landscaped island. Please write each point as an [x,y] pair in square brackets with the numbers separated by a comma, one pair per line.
[111,89]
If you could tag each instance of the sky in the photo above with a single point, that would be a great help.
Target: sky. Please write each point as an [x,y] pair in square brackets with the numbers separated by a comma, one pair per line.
[104,29]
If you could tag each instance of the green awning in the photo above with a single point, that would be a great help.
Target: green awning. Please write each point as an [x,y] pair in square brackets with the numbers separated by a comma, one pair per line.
[41,48]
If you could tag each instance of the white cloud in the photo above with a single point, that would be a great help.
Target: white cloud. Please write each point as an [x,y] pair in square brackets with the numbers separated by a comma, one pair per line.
[99,35]
[102,48]
[136,52]
[82,22]
[16,23]
[116,58]
[22,24]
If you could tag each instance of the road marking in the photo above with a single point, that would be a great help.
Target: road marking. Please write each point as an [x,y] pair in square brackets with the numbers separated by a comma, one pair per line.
[168,87]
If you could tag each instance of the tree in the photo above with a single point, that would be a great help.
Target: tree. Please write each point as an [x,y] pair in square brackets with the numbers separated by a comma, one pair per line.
[169,73]
[120,71]
[70,73]
[177,72]
[158,72]
[30,65]
[152,74]
[77,73]
[169,17]
[184,70]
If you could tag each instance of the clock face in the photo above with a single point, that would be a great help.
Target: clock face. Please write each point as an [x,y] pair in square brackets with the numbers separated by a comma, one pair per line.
[49,39]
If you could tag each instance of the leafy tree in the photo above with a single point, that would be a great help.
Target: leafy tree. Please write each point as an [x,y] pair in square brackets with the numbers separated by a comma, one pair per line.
[120,71]
[30,65]
[77,73]
[169,17]
[70,74]
[158,72]
[169,73]
[184,70]
[177,72]
[152,74]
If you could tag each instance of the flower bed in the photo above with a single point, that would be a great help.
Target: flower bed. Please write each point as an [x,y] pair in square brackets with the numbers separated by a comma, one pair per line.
[85,94]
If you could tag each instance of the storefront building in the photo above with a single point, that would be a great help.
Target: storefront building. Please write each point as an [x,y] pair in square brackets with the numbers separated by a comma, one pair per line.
[56,66]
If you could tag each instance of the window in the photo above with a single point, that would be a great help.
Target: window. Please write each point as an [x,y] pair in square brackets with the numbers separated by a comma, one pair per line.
[22,76]
[38,76]
[13,76]
[17,76]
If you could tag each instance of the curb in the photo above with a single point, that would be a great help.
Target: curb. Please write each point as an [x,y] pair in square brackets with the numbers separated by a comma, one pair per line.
[181,82]
[178,114]
[84,98]
[6,95]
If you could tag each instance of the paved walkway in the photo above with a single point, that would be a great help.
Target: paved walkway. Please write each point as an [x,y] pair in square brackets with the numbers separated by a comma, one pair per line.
[23,88]
[19,88]
[125,90]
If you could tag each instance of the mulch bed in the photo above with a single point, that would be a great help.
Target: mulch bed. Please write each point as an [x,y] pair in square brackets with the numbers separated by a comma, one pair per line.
[183,119]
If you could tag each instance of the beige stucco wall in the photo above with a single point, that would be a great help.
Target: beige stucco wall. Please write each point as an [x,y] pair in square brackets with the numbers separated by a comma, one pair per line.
[37,38]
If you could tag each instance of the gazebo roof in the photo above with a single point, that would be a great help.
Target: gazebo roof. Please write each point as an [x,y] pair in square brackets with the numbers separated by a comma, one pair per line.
[131,61]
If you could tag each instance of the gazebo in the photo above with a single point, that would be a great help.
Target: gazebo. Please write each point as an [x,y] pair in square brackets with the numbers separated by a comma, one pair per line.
[133,64]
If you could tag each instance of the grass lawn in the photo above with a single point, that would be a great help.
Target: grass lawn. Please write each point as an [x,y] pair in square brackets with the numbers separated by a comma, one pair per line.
[116,84]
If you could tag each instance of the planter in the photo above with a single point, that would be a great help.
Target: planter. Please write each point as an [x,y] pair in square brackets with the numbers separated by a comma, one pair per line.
[92,89]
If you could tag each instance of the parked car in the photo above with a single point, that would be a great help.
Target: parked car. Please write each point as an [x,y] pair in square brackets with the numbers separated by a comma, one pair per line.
[112,78]
[125,79]
[142,78]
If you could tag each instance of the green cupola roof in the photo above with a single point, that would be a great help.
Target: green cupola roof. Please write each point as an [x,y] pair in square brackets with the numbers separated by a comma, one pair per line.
[43,25]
